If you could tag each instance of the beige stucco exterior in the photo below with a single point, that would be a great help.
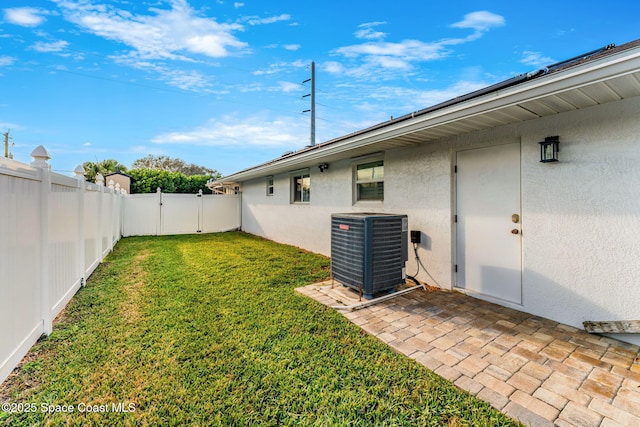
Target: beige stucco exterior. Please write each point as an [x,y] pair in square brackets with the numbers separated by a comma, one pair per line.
[120,178]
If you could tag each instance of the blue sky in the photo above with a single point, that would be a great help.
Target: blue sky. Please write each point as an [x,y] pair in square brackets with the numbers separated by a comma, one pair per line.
[219,83]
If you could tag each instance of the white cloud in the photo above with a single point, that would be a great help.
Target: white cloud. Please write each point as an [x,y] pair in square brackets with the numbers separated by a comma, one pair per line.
[280,67]
[25,16]
[50,47]
[164,34]
[245,132]
[480,21]
[238,5]
[382,60]
[244,88]
[408,50]
[289,87]
[213,45]
[253,20]
[407,99]
[5,61]
[86,144]
[535,59]
[333,67]
[188,80]
[367,31]
[377,104]
[432,97]
[291,47]
[378,60]
[185,80]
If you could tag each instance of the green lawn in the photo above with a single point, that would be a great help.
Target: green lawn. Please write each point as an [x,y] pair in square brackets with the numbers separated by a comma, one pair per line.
[208,330]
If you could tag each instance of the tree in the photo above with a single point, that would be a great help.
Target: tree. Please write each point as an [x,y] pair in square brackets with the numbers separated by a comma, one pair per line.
[148,180]
[103,167]
[170,164]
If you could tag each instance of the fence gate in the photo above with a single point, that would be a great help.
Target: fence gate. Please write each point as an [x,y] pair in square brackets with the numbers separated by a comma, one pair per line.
[180,213]
[169,213]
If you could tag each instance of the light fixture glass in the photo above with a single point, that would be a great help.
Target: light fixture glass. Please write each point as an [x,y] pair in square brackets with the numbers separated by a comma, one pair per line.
[549,149]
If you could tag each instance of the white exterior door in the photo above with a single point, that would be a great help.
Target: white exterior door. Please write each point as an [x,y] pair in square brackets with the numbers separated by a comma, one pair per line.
[488,227]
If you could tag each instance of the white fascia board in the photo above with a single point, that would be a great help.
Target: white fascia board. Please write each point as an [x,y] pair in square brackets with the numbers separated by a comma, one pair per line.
[542,87]
[613,66]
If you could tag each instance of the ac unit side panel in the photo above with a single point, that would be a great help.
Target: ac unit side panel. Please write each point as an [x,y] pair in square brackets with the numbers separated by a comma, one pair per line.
[347,254]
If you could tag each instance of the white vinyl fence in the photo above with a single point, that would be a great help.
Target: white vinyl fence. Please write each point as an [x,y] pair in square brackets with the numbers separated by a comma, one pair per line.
[168,213]
[54,231]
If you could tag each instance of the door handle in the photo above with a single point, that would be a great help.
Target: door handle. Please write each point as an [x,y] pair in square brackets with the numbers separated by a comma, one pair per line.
[515,231]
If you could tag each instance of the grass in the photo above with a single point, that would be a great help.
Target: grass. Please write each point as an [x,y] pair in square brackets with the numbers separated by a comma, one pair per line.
[208,330]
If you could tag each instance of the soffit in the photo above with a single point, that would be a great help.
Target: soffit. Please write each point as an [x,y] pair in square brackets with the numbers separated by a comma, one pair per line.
[623,87]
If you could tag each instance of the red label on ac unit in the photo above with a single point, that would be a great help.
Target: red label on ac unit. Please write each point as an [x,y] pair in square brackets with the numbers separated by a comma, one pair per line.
[344,227]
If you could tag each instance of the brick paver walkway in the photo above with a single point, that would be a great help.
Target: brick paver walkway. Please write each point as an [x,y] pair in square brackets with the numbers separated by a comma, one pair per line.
[537,371]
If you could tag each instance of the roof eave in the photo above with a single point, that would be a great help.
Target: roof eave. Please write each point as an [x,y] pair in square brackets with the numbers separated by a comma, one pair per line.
[573,78]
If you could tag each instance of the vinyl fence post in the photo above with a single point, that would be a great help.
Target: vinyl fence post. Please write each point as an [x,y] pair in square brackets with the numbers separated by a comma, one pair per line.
[159,217]
[82,190]
[200,213]
[40,157]
[122,214]
[113,193]
[100,182]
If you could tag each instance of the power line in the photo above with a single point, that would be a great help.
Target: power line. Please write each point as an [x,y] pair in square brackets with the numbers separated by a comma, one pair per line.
[122,81]
[188,93]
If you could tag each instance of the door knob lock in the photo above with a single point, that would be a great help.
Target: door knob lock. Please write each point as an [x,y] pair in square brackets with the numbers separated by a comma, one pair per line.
[515,218]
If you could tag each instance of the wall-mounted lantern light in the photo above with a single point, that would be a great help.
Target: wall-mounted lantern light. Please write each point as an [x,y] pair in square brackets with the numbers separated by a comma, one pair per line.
[323,166]
[549,149]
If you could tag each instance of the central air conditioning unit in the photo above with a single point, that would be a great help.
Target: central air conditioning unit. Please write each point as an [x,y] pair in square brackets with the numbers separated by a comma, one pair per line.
[369,251]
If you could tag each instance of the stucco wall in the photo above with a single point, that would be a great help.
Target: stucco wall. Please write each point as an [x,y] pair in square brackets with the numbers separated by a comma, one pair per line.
[580,216]
[425,198]
[303,225]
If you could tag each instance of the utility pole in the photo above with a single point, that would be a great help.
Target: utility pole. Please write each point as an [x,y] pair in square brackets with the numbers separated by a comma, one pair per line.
[312,110]
[6,143]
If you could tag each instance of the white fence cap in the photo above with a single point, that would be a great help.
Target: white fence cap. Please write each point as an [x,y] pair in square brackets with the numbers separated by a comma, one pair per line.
[79,172]
[40,156]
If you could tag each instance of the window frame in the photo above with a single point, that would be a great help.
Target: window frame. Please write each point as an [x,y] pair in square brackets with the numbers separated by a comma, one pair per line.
[270,186]
[357,200]
[300,174]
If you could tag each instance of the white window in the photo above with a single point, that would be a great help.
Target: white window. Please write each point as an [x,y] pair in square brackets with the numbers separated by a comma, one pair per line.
[269,186]
[301,188]
[369,181]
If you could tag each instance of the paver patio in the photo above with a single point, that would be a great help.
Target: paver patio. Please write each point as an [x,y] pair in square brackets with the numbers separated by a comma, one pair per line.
[535,370]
